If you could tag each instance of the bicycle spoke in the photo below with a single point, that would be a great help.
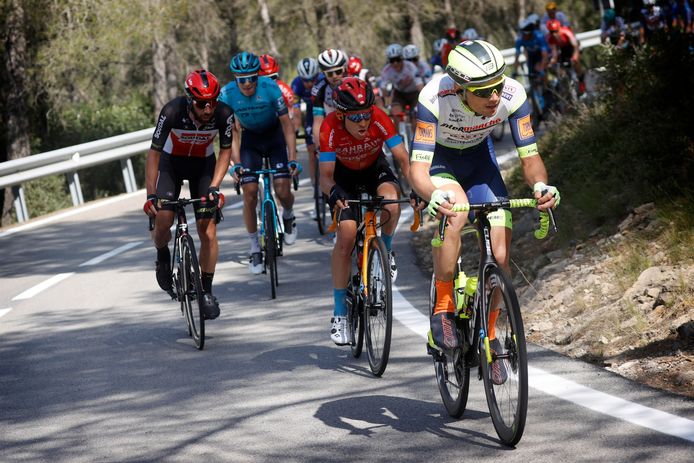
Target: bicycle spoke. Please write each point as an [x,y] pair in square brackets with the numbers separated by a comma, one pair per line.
[378,309]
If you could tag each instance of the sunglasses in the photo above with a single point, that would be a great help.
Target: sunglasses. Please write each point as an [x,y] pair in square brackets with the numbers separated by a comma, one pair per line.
[334,73]
[247,79]
[395,60]
[358,117]
[202,104]
[488,91]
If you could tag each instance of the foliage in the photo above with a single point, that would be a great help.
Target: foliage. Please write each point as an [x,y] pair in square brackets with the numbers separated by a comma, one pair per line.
[634,145]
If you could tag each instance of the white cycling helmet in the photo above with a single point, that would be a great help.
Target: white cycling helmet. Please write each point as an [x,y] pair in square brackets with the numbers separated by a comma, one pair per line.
[475,62]
[470,34]
[394,50]
[410,51]
[648,2]
[307,68]
[438,44]
[331,59]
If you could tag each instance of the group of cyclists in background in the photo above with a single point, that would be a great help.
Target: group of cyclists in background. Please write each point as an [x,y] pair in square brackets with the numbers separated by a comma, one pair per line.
[350,116]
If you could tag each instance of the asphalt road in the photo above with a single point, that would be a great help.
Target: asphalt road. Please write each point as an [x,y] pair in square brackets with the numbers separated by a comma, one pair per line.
[96,364]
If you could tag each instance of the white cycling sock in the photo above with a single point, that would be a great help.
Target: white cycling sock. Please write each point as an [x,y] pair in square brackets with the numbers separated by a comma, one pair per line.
[253,238]
[287,213]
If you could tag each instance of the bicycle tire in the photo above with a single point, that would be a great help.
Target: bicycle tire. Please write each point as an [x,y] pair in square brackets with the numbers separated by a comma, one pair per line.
[378,307]
[320,203]
[355,314]
[192,291]
[452,374]
[508,401]
[271,249]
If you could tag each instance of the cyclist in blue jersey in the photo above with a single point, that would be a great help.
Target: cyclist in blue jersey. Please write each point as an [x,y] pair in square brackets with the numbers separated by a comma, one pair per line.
[537,51]
[262,118]
[302,85]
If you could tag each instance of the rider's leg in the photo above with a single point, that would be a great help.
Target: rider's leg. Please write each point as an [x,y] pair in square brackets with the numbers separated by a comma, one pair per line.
[284,194]
[501,233]
[391,215]
[250,218]
[340,262]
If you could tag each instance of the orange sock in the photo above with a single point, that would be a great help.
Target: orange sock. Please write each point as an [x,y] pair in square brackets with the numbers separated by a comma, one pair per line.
[444,297]
[493,315]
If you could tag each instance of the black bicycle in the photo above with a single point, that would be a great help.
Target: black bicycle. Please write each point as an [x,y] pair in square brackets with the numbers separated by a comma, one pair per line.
[186,276]
[499,351]
[369,290]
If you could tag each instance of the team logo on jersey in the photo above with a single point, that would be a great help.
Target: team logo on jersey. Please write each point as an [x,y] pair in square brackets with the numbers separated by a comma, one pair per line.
[425,132]
[525,127]
[446,92]
[160,125]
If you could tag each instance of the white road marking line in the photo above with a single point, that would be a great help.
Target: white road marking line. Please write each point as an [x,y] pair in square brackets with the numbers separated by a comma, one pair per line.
[114,252]
[33,291]
[562,388]
[4,312]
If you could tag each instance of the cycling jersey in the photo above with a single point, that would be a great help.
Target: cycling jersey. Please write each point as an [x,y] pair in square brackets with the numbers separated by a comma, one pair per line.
[443,119]
[559,16]
[304,94]
[424,70]
[259,112]
[287,93]
[405,81]
[652,19]
[178,135]
[535,44]
[337,144]
[322,95]
[564,39]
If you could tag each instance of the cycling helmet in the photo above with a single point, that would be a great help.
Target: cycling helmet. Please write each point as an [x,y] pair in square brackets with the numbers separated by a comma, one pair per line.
[551,6]
[244,63]
[527,26]
[609,16]
[331,59]
[475,62]
[410,51]
[438,44]
[353,94]
[201,85]
[307,68]
[553,25]
[648,2]
[268,66]
[452,34]
[394,50]
[534,18]
[470,34]
[354,65]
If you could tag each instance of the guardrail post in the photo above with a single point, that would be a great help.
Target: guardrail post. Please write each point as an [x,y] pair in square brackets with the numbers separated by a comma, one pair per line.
[20,204]
[128,175]
[75,189]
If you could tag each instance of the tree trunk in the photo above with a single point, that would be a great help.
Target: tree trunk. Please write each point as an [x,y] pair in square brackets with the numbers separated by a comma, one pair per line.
[269,33]
[17,129]
[449,13]
[416,34]
[160,51]
[521,10]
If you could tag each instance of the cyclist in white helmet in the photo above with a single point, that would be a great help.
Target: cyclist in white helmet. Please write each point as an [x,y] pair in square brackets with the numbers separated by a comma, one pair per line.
[302,85]
[411,53]
[404,78]
[333,64]
[453,161]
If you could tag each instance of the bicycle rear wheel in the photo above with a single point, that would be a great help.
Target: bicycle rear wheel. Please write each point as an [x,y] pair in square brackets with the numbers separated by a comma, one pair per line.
[378,307]
[320,204]
[452,374]
[355,314]
[507,393]
[271,249]
[191,288]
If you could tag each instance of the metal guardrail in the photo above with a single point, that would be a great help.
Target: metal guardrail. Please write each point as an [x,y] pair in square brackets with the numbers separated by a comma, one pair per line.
[122,147]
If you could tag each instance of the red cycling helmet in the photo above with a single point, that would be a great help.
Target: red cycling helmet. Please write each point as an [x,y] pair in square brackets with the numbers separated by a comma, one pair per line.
[553,25]
[201,85]
[353,94]
[268,66]
[452,34]
[354,66]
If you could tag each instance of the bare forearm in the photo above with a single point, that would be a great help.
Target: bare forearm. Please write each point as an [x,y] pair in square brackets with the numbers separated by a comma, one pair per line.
[151,170]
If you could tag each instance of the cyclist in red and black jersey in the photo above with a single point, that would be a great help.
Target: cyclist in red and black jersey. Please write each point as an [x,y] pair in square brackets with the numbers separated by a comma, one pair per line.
[351,155]
[182,149]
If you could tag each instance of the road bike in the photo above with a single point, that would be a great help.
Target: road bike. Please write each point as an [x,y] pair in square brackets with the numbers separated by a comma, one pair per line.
[320,199]
[369,290]
[564,87]
[271,228]
[475,296]
[186,277]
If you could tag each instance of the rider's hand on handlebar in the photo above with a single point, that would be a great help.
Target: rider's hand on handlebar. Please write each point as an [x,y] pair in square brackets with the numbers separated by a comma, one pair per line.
[337,197]
[441,203]
[238,170]
[416,201]
[151,205]
[215,196]
[295,167]
[547,196]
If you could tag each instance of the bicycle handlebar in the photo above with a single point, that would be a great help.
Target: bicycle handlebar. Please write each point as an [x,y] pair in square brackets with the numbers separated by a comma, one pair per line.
[237,185]
[175,202]
[376,203]
[545,216]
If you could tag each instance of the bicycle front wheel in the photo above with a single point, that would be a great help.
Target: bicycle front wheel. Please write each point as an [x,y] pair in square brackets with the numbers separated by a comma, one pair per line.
[191,288]
[271,249]
[452,374]
[505,369]
[378,307]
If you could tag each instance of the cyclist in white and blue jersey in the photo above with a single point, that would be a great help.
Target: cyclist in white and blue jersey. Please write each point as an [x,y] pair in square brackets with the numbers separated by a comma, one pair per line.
[262,118]
[302,85]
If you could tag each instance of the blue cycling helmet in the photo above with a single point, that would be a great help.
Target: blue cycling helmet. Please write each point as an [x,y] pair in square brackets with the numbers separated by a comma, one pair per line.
[244,63]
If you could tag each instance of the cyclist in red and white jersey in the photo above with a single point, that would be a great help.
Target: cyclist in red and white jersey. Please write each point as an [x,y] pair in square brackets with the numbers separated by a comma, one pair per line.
[182,149]
[351,140]
[565,48]
[411,53]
